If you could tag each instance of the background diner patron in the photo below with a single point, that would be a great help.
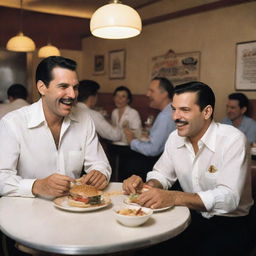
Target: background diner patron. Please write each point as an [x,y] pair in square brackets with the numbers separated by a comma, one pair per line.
[237,109]
[17,95]
[123,115]
[160,93]
[87,99]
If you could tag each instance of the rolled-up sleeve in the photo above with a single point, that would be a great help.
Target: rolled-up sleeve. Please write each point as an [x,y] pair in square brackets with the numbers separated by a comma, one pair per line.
[225,197]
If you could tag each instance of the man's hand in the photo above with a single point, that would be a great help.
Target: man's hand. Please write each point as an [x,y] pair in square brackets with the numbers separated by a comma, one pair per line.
[53,185]
[133,184]
[129,135]
[157,198]
[95,178]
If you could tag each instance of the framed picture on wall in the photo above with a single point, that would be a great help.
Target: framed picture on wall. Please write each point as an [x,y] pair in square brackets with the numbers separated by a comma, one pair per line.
[117,64]
[177,67]
[99,64]
[245,66]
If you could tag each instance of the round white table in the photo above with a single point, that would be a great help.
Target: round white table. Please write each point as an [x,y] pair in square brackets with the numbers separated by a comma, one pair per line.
[38,224]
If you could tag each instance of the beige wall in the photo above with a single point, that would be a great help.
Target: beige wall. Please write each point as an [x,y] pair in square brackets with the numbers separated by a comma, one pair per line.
[214,34]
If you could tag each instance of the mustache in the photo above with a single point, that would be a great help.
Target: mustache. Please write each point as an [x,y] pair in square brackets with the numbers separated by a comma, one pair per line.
[179,121]
[70,100]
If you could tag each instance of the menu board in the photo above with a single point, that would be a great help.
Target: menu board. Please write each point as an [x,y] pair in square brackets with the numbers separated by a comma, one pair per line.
[179,68]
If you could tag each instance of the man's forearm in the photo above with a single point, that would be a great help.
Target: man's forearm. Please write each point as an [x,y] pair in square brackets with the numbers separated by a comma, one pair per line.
[190,200]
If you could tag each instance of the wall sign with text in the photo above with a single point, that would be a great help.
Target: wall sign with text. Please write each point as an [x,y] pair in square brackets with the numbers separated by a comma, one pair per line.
[179,68]
[245,66]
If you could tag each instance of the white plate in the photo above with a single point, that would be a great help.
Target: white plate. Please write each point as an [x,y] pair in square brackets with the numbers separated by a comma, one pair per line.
[62,203]
[127,201]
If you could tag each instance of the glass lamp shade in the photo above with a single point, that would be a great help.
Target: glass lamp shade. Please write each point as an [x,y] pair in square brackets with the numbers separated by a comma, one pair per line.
[48,50]
[20,43]
[115,21]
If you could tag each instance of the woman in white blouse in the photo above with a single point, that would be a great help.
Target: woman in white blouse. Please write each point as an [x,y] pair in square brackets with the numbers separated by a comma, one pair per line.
[123,115]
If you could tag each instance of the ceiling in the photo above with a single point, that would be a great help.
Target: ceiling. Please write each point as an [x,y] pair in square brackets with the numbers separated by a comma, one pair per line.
[66,22]
[85,8]
[74,8]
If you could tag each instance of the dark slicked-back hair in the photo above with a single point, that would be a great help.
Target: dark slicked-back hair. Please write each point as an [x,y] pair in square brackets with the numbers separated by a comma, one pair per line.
[127,90]
[242,100]
[17,91]
[86,89]
[45,67]
[165,84]
[205,95]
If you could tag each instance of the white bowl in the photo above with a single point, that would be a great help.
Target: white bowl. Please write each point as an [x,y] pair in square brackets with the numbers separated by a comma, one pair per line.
[132,221]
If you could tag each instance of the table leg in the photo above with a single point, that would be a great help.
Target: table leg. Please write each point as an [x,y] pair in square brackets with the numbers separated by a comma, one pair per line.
[4,245]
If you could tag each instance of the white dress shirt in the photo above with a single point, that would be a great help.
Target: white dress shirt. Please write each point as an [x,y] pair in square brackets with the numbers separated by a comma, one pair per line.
[131,117]
[10,106]
[217,173]
[28,151]
[102,126]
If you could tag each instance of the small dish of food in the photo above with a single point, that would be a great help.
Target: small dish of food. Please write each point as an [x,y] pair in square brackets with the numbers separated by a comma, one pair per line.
[131,215]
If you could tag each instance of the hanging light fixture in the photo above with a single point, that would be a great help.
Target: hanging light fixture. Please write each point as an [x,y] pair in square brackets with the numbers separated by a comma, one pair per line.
[48,50]
[115,21]
[21,43]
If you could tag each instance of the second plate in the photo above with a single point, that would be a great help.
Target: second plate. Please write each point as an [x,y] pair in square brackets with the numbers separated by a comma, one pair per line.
[127,201]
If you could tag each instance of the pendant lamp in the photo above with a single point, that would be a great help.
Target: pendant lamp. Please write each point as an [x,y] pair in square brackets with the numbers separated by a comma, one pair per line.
[21,43]
[48,50]
[115,21]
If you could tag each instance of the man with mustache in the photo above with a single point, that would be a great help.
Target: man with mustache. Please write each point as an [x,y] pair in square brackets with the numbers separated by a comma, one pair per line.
[46,146]
[209,160]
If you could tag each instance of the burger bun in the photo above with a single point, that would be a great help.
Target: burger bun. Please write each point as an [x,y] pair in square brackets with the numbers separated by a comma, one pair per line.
[75,203]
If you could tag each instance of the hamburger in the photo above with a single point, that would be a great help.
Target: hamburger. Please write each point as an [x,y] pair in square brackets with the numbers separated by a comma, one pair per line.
[84,196]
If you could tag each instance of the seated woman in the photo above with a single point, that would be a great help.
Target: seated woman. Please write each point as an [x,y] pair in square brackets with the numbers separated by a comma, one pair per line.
[123,115]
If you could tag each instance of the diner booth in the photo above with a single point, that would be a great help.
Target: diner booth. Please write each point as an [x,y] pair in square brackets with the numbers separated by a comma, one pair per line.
[180,40]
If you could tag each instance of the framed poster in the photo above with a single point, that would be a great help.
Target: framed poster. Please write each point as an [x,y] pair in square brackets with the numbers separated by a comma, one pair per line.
[99,65]
[179,68]
[117,64]
[245,66]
